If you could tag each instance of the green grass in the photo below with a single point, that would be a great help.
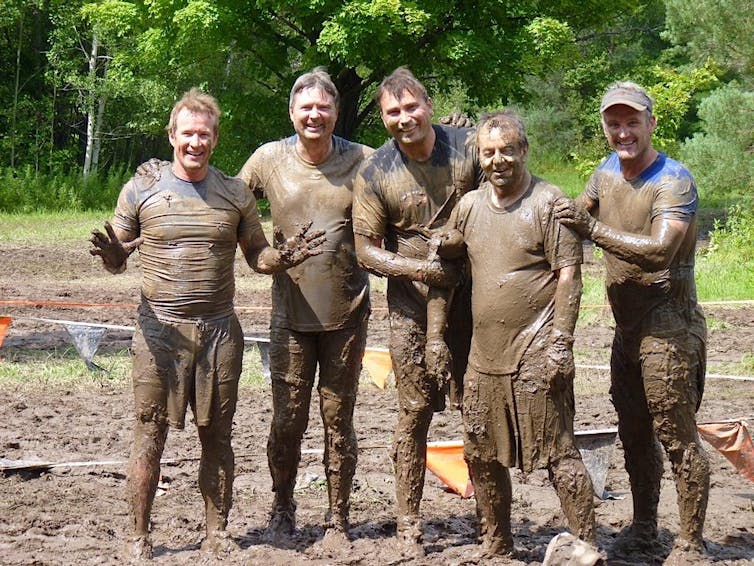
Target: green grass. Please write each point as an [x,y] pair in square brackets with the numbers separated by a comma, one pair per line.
[55,228]
[65,367]
[560,173]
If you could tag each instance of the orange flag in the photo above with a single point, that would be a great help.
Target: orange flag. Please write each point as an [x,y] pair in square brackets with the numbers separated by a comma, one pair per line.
[445,460]
[377,362]
[4,324]
[733,441]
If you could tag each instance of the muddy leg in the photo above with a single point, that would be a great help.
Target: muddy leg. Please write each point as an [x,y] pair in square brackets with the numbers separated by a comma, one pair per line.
[216,469]
[575,491]
[492,489]
[673,396]
[292,365]
[643,455]
[340,358]
[150,433]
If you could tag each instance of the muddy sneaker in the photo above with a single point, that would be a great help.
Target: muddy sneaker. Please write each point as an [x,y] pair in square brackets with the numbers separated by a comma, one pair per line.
[409,537]
[635,539]
[336,541]
[138,548]
[219,542]
[686,553]
[282,525]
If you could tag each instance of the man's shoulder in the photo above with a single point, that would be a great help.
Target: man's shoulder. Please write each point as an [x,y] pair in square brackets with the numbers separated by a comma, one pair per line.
[380,161]
[451,135]
[220,178]
[546,190]
[665,167]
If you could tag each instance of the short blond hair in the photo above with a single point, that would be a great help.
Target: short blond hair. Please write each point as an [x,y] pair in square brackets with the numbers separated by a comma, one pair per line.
[398,82]
[197,102]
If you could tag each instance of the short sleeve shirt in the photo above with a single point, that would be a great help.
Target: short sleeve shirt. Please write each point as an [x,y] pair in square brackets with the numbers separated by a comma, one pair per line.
[398,199]
[190,231]
[514,252]
[328,291]
[666,189]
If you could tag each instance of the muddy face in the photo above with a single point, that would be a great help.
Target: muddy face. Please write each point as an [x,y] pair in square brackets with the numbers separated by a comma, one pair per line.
[629,133]
[193,140]
[408,118]
[313,114]
[502,155]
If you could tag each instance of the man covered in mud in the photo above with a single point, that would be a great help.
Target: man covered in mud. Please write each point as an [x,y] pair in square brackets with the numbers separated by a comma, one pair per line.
[404,194]
[518,403]
[640,207]
[186,219]
[319,309]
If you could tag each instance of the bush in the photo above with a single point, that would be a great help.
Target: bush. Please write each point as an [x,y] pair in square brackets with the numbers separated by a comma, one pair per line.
[721,156]
[24,190]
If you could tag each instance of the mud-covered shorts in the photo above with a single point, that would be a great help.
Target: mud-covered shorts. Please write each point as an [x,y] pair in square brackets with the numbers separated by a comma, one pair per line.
[196,362]
[517,419]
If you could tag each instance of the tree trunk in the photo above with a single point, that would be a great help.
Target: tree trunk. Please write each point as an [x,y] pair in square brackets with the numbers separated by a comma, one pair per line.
[91,117]
[350,87]
[16,88]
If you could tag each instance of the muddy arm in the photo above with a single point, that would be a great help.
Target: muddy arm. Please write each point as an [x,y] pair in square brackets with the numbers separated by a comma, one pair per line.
[114,247]
[287,252]
[375,259]
[652,253]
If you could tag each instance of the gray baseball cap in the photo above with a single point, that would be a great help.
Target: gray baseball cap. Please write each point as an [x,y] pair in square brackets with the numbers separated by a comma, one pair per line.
[636,99]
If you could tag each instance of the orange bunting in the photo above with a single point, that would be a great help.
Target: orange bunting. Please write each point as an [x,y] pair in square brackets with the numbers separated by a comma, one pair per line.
[4,324]
[377,363]
[732,440]
[445,460]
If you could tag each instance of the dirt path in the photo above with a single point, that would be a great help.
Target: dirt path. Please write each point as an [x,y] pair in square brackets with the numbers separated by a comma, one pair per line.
[77,515]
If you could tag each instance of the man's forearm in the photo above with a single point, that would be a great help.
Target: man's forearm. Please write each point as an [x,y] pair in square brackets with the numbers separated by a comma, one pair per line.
[650,252]
[567,302]
[385,263]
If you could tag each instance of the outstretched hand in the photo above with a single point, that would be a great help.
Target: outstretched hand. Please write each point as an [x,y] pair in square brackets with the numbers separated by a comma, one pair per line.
[300,246]
[113,252]
[573,214]
[457,120]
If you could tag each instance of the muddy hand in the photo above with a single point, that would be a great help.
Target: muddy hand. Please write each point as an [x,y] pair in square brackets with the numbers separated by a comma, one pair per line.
[438,360]
[560,364]
[299,247]
[574,215]
[440,273]
[113,252]
[151,169]
[457,120]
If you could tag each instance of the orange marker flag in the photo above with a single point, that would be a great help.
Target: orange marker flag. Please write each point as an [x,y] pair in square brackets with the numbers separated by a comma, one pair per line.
[445,460]
[4,324]
[377,363]
[733,441]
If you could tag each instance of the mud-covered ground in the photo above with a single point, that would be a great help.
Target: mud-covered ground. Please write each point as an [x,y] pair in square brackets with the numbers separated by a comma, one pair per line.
[77,515]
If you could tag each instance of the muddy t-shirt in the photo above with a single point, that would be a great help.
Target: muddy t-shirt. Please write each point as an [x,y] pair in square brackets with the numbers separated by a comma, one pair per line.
[328,291]
[514,252]
[190,233]
[396,198]
[665,189]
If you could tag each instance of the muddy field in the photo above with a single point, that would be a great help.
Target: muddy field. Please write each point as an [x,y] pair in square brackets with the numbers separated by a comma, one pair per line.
[77,515]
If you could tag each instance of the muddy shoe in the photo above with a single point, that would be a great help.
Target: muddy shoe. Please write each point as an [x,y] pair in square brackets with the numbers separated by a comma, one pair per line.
[137,549]
[336,541]
[409,537]
[282,525]
[686,553]
[635,540]
[219,542]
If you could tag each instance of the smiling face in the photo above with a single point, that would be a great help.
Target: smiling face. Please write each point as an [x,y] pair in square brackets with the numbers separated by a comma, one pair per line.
[407,118]
[313,113]
[193,140]
[502,156]
[629,133]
